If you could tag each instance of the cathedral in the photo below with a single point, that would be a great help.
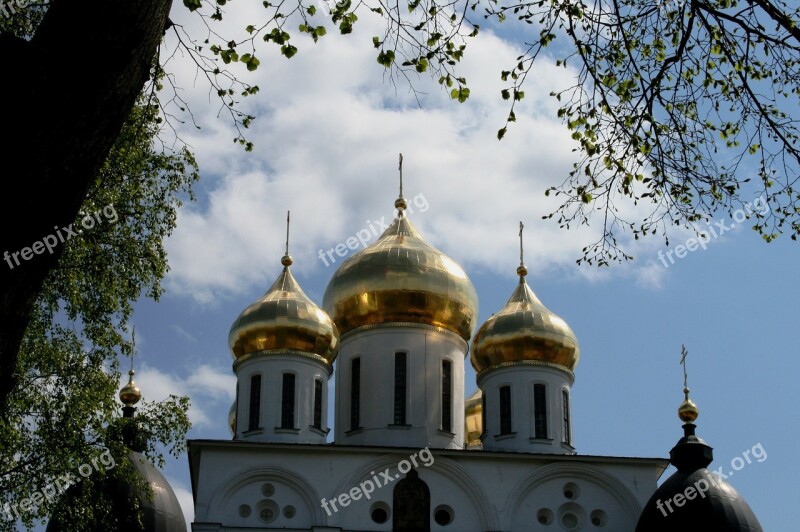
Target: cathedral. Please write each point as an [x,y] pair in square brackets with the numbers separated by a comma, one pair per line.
[409,451]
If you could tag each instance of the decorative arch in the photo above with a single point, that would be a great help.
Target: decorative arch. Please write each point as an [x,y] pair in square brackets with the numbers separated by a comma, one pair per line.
[450,469]
[612,485]
[279,475]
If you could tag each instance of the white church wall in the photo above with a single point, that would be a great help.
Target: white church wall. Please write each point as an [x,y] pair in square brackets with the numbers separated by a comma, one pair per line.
[426,348]
[522,378]
[485,491]
[271,368]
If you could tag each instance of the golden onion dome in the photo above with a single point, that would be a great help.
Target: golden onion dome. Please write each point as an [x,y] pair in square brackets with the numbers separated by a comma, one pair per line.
[232,419]
[473,419]
[524,330]
[130,394]
[401,278]
[688,411]
[284,319]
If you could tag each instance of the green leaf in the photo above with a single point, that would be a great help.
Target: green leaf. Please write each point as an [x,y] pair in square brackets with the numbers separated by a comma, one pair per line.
[288,50]
[386,58]
[193,5]
[253,63]
[461,94]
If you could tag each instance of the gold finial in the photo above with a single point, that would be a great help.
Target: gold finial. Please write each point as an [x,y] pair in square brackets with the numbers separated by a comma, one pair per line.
[130,394]
[522,271]
[286,260]
[688,411]
[400,203]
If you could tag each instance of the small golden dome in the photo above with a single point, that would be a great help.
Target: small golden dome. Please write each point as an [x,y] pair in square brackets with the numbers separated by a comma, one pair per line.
[524,330]
[284,319]
[232,419]
[688,411]
[130,394]
[473,419]
[401,278]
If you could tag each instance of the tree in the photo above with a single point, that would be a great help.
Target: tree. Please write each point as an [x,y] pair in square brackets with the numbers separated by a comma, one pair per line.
[688,105]
[63,412]
[65,119]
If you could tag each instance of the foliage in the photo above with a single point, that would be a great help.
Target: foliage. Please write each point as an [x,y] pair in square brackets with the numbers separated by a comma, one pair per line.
[679,105]
[59,415]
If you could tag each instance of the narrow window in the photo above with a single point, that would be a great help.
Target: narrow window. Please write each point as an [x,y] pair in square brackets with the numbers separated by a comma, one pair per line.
[287,401]
[236,409]
[399,388]
[565,405]
[255,402]
[447,394]
[317,404]
[483,415]
[355,393]
[505,410]
[539,411]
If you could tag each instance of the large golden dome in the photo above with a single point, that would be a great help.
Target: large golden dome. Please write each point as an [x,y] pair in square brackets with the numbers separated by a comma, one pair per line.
[401,278]
[284,319]
[524,331]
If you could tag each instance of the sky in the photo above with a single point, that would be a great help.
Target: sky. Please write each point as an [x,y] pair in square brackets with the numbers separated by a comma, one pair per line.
[330,125]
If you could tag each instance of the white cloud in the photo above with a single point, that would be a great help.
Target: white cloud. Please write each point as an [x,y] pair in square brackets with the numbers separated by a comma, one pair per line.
[213,383]
[183,333]
[327,138]
[186,501]
[208,387]
[651,275]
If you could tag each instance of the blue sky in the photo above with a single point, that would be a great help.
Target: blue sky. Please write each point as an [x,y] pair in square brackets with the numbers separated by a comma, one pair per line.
[330,125]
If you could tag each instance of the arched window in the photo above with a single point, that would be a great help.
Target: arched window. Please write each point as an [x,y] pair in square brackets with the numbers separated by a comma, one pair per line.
[287,401]
[483,416]
[539,411]
[254,415]
[400,401]
[317,423]
[355,393]
[411,505]
[447,396]
[505,409]
[567,438]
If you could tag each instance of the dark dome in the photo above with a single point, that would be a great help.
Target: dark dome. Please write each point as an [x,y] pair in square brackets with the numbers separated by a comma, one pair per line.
[161,514]
[705,501]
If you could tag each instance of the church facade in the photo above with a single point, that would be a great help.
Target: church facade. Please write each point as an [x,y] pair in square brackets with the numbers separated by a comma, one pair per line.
[409,451]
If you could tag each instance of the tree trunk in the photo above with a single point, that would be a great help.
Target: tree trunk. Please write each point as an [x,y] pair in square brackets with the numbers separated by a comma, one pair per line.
[66,95]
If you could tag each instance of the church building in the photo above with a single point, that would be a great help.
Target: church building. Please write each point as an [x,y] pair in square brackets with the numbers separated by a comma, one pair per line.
[409,452]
